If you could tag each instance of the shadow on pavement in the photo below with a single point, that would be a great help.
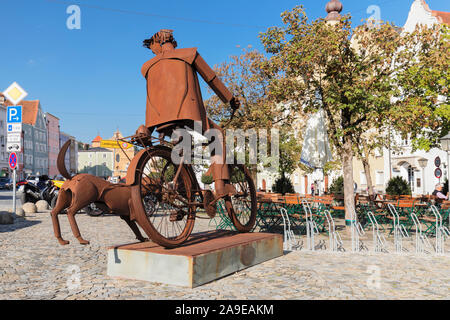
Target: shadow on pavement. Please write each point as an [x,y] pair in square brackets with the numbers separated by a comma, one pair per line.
[18,224]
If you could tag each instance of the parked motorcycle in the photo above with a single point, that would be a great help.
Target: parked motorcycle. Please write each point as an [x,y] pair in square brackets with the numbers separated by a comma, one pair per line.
[33,192]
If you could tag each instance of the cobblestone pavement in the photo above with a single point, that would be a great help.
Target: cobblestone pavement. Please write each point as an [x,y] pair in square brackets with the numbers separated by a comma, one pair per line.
[34,266]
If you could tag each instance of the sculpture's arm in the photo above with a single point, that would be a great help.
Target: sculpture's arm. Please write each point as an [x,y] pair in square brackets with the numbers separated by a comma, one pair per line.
[212,80]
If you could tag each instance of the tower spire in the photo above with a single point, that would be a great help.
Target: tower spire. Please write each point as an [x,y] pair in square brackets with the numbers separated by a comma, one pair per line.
[334,8]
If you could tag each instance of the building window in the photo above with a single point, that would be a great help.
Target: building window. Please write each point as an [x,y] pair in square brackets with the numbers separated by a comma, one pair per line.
[379,177]
[362,177]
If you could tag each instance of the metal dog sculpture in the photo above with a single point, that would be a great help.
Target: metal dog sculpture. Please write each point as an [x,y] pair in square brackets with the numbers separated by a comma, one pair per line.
[83,189]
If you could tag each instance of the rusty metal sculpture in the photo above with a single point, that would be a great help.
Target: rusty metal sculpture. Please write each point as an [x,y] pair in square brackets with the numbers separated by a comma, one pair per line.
[83,189]
[174,96]
[161,196]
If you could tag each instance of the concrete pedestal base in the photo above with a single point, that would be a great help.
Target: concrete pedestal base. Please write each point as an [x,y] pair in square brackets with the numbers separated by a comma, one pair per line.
[203,258]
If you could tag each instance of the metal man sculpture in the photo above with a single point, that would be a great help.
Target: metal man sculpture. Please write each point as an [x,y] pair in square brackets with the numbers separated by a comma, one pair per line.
[173,95]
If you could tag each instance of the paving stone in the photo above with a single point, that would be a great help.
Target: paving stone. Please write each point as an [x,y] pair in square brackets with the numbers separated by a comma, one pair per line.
[38,269]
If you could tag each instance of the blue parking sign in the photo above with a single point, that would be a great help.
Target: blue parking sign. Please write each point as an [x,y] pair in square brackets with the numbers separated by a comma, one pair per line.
[14,114]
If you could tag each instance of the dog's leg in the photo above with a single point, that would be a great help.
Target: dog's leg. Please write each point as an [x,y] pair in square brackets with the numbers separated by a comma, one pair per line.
[71,211]
[63,201]
[134,228]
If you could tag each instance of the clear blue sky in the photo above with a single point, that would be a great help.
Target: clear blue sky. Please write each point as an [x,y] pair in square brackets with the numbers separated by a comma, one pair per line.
[90,78]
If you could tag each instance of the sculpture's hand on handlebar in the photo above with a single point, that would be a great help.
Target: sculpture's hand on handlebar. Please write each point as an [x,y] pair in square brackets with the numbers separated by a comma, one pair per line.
[235,103]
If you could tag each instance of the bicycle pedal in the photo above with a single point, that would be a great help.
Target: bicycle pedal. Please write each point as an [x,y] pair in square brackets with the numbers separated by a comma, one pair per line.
[209,203]
[177,216]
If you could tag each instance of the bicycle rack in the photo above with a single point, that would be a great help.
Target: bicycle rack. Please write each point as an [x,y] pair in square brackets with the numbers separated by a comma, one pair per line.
[311,226]
[379,241]
[421,239]
[399,230]
[334,236]
[289,242]
[357,231]
[441,231]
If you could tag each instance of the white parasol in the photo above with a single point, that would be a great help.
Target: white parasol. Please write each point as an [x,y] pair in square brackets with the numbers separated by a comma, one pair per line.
[316,148]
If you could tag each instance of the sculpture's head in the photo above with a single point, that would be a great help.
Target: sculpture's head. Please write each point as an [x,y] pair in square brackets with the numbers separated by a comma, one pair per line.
[156,42]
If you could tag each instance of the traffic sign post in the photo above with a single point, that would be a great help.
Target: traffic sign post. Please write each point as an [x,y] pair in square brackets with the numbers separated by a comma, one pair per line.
[14,129]
[14,141]
[14,93]
[13,165]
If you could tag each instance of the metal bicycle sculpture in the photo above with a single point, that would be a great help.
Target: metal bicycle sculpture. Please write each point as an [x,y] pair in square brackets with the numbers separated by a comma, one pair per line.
[169,194]
[168,197]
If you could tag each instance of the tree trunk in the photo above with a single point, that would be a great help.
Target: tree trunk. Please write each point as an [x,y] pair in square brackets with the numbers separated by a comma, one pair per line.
[347,166]
[366,165]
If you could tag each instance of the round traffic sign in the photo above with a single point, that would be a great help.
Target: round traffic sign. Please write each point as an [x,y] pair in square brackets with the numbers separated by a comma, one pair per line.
[438,173]
[437,162]
[12,160]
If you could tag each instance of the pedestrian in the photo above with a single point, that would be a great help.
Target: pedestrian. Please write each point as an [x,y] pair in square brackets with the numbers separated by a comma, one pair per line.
[312,188]
[438,192]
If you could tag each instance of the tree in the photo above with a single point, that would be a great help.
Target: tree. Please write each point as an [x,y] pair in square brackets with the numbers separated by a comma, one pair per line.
[246,76]
[346,71]
[337,186]
[317,65]
[422,111]
[283,185]
[398,186]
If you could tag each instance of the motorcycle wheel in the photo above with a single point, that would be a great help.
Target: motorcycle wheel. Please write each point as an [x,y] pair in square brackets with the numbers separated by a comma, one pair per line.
[23,197]
[53,202]
[93,211]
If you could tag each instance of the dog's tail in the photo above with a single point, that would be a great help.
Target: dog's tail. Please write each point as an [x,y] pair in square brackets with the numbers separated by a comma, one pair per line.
[61,161]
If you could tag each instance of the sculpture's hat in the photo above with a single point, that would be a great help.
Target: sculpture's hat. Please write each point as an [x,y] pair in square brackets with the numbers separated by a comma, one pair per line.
[161,37]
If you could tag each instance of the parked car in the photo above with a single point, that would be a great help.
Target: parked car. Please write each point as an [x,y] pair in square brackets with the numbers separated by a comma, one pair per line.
[6,183]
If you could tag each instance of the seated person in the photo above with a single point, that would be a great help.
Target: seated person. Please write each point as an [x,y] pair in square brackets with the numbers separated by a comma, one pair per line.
[438,192]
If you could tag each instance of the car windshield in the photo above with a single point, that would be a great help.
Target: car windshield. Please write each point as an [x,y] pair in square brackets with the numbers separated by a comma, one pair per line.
[4,179]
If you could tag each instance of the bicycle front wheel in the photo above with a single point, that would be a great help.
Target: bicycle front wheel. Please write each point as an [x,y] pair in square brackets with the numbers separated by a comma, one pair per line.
[166,194]
[242,207]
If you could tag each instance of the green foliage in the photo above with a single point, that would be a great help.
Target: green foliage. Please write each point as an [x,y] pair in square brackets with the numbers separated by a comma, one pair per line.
[207,179]
[237,175]
[337,186]
[283,185]
[398,186]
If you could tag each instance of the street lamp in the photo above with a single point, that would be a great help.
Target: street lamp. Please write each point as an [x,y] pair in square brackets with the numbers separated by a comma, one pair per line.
[423,163]
[445,145]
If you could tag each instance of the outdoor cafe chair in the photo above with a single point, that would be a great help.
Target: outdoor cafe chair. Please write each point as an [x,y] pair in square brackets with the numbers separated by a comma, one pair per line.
[294,210]
[376,213]
[429,220]
[222,221]
[268,215]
